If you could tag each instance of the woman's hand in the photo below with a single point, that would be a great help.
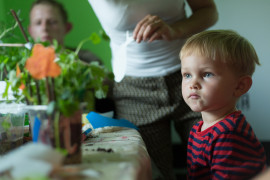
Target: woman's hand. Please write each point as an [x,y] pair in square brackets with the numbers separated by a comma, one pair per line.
[152,28]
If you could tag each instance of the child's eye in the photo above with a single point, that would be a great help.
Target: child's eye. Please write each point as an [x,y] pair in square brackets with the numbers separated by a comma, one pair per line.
[208,74]
[186,75]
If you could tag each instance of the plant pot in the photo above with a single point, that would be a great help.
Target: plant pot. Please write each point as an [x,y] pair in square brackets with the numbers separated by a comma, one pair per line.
[70,131]
[62,133]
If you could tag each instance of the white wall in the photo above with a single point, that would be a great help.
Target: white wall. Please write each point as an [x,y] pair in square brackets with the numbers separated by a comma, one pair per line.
[250,18]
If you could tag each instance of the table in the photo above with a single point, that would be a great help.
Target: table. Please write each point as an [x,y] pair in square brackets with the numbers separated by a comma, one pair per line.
[118,155]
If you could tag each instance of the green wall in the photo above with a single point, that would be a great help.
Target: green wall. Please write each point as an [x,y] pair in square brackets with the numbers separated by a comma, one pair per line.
[2,14]
[80,14]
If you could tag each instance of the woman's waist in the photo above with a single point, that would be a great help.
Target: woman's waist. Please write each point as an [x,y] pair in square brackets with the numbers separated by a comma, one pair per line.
[158,58]
[151,71]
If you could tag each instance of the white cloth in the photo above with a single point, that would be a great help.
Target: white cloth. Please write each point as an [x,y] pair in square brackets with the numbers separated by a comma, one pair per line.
[31,160]
[120,64]
[158,58]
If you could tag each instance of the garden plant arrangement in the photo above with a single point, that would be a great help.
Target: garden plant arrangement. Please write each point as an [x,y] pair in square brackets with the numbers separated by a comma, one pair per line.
[48,74]
[53,76]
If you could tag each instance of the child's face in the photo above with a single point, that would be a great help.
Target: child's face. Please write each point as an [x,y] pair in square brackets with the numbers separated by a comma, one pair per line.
[46,23]
[207,85]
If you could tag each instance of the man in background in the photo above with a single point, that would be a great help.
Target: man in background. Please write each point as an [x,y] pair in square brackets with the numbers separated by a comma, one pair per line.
[49,21]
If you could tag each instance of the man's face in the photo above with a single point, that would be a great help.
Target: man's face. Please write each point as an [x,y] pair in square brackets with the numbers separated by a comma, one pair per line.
[46,24]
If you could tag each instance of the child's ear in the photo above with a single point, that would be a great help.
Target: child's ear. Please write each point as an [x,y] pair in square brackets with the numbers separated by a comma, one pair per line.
[244,84]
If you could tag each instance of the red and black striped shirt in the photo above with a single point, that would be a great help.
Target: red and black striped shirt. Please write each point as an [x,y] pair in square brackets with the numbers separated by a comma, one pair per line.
[227,150]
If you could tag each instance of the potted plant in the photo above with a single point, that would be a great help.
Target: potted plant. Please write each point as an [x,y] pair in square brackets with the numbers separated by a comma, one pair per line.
[55,77]
[45,74]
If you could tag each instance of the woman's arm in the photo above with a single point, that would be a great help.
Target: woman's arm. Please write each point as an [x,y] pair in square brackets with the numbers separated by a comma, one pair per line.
[204,15]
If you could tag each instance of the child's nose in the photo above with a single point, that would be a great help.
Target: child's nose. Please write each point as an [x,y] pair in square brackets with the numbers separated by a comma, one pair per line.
[195,84]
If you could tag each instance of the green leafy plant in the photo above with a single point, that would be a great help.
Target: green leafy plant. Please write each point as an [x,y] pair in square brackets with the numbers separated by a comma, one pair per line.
[65,92]
[50,74]
[6,124]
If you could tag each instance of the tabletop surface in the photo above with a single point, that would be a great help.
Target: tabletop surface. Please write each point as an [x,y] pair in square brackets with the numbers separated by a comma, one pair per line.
[117,155]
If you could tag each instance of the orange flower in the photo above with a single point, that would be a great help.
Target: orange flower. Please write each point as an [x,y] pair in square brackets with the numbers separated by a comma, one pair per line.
[18,71]
[41,64]
[22,87]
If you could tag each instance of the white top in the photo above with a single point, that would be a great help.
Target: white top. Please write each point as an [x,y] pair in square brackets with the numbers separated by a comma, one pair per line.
[118,17]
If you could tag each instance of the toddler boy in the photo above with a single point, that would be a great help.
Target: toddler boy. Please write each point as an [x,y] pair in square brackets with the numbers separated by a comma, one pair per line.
[217,66]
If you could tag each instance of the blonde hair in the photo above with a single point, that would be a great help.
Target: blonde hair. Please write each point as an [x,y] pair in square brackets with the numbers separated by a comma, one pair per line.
[226,46]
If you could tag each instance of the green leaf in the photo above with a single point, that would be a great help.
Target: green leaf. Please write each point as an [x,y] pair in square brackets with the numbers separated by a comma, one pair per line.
[104,35]
[100,94]
[51,107]
[95,38]
[55,44]
[5,94]
[71,87]
[6,124]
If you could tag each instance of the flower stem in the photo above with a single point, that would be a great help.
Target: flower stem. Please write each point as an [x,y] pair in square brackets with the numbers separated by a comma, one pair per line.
[56,129]
[81,44]
[20,25]
[48,89]
[3,74]
[52,90]
[7,30]
[38,92]
[28,86]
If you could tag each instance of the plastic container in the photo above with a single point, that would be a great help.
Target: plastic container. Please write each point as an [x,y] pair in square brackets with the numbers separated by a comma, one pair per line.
[37,111]
[12,117]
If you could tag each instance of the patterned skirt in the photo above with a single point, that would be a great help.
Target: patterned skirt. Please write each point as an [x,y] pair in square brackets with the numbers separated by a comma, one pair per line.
[152,103]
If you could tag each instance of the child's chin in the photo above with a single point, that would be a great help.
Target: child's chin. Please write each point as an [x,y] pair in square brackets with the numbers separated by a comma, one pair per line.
[196,109]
